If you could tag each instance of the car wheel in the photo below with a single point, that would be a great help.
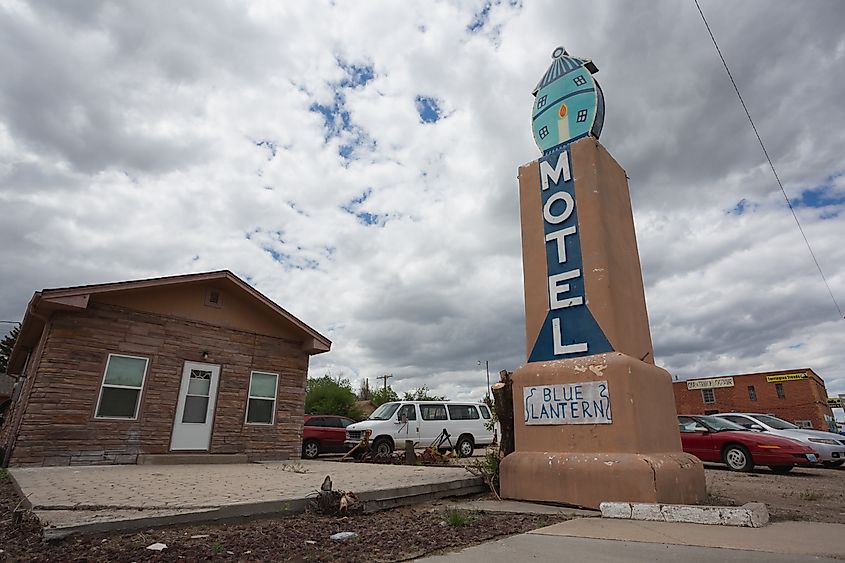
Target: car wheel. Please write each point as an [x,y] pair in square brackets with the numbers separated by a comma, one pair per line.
[738,458]
[833,464]
[465,446]
[781,469]
[310,449]
[382,447]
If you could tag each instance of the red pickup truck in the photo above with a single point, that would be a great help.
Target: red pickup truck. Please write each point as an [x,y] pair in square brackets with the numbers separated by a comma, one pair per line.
[324,433]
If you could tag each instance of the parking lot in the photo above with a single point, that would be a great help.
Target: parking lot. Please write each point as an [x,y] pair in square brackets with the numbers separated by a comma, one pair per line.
[803,494]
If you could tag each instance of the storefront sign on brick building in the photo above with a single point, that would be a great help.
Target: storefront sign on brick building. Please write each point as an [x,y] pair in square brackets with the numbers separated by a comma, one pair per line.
[786,377]
[713,383]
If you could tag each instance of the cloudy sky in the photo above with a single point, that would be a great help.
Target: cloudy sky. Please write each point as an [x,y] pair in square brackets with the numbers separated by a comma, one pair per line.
[357,161]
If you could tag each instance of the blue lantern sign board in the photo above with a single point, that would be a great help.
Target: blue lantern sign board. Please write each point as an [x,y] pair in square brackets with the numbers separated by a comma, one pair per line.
[568,102]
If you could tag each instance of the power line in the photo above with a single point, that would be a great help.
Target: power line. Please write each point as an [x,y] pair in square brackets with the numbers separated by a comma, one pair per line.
[771,165]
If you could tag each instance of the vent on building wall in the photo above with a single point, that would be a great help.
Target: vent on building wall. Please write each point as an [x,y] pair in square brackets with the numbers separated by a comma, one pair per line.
[213,298]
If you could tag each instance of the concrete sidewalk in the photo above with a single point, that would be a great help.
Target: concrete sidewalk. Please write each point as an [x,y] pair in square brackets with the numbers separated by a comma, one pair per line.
[624,540]
[122,497]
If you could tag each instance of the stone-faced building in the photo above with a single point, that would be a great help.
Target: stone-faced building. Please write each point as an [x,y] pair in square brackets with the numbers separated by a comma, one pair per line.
[121,372]
[798,396]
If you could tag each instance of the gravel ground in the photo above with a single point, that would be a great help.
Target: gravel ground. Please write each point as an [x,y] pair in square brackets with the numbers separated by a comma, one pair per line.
[392,535]
[803,494]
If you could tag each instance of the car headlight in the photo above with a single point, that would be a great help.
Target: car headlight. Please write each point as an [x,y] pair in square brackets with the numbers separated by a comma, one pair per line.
[827,441]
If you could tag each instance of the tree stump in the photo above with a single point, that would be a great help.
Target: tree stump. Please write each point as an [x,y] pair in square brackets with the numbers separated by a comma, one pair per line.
[503,396]
[410,455]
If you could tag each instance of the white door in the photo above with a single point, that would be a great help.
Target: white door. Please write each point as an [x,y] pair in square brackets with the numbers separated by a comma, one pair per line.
[406,426]
[433,420]
[195,409]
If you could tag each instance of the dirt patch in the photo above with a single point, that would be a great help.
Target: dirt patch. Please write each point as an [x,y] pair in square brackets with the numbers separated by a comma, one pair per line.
[392,535]
[816,495]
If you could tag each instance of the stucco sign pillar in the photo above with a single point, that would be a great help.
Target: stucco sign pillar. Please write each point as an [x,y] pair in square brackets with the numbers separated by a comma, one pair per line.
[594,417]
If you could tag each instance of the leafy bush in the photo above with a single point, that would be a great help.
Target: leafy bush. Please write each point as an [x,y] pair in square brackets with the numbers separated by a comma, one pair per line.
[487,468]
[421,394]
[328,395]
[383,395]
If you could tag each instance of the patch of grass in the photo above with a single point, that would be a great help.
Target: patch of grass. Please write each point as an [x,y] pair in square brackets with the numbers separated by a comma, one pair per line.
[4,475]
[456,517]
[217,548]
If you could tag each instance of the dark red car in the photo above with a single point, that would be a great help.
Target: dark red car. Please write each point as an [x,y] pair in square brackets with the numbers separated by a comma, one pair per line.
[718,440]
[324,433]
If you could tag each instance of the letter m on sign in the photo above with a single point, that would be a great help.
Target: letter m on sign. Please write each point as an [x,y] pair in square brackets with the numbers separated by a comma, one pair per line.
[554,174]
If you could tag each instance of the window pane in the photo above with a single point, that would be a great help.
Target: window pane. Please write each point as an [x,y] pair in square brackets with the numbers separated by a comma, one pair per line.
[260,411]
[433,412]
[752,393]
[485,412]
[263,385]
[462,412]
[741,420]
[118,403]
[199,386]
[408,411]
[125,371]
[196,409]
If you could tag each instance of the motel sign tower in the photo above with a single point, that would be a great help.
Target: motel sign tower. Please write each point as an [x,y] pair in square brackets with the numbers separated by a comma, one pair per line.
[594,417]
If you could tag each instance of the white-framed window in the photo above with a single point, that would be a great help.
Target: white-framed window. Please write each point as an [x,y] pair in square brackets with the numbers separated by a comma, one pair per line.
[261,404]
[708,396]
[120,391]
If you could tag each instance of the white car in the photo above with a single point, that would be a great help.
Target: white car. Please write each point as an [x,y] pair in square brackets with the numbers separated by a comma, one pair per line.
[830,446]
[423,422]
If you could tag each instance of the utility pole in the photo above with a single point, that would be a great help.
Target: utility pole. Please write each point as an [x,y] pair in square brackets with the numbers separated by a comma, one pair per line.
[487,368]
[385,377]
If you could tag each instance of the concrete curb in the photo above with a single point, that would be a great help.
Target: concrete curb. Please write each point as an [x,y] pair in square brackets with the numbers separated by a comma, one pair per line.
[373,501]
[521,507]
[751,515]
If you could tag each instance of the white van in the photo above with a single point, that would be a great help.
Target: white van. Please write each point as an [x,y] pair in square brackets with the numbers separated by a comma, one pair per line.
[423,422]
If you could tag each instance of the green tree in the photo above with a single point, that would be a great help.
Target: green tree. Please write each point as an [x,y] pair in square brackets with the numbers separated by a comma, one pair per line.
[383,395]
[491,404]
[329,395]
[421,394]
[6,345]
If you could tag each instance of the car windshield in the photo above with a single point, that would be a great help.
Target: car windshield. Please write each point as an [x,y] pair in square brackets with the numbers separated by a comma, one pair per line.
[716,424]
[774,422]
[384,412]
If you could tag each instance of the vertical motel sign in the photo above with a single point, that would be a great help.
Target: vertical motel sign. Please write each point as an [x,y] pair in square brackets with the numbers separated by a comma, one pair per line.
[569,329]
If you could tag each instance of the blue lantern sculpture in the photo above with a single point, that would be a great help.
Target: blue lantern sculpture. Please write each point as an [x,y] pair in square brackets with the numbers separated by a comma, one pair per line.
[568,103]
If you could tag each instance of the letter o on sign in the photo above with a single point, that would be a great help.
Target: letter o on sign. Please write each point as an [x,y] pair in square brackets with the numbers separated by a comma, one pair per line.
[547,209]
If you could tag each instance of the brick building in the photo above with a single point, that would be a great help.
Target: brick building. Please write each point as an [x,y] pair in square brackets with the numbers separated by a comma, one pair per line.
[797,395]
[196,364]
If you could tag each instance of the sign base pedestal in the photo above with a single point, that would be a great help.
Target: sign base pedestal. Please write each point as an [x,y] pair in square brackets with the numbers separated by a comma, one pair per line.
[636,458]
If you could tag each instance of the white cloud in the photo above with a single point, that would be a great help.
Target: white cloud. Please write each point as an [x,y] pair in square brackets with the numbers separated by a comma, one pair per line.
[150,139]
